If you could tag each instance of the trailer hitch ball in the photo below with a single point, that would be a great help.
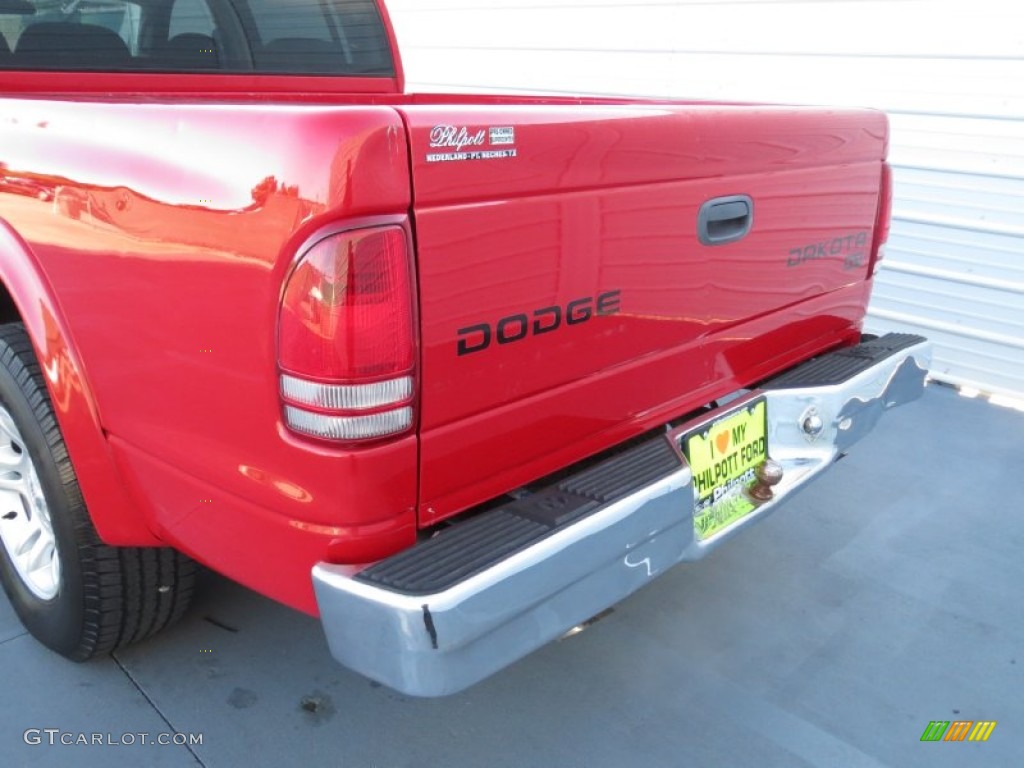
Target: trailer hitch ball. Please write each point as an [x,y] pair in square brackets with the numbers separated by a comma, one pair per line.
[769,473]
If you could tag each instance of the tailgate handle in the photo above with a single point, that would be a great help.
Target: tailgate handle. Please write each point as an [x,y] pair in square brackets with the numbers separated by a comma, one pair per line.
[725,219]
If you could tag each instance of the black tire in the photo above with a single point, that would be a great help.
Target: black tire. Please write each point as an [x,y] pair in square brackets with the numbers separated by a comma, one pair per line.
[105,597]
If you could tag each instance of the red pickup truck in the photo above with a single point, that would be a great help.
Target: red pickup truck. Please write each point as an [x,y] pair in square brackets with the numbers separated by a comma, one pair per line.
[454,373]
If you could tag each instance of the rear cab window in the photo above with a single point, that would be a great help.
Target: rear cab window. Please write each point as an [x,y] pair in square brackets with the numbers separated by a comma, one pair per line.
[307,37]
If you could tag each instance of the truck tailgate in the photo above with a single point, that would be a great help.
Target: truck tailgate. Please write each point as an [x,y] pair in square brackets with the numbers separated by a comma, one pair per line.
[571,292]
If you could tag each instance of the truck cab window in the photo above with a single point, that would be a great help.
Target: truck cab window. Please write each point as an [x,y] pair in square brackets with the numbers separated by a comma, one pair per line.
[320,36]
[69,35]
[307,37]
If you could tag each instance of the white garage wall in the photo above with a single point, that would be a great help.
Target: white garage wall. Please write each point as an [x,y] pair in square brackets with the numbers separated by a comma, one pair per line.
[950,75]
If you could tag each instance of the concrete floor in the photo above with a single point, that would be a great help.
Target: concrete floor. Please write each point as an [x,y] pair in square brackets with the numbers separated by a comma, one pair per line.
[886,596]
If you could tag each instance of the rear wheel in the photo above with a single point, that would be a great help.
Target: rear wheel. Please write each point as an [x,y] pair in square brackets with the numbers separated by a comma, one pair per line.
[74,593]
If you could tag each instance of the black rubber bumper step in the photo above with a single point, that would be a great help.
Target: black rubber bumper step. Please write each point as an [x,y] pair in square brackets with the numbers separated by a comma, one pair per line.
[469,547]
[843,364]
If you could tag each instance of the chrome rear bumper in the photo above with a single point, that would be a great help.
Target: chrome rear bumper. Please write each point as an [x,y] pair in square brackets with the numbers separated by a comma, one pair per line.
[439,641]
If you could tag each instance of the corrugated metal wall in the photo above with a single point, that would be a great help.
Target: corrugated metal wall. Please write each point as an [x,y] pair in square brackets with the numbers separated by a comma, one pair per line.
[950,75]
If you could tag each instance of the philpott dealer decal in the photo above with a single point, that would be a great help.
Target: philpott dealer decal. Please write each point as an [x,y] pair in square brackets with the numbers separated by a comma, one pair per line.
[457,142]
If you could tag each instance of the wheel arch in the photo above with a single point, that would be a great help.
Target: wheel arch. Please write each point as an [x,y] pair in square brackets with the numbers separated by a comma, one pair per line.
[27,296]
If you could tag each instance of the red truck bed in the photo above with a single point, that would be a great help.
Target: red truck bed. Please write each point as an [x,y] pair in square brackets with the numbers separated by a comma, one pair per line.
[479,364]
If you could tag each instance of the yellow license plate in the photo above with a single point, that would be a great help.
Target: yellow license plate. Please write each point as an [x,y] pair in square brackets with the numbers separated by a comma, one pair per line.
[724,456]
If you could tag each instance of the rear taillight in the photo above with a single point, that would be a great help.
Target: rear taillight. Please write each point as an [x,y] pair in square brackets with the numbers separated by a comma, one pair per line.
[347,337]
[883,218]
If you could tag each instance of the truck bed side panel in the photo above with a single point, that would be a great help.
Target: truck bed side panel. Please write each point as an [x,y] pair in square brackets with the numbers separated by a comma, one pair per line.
[166,230]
